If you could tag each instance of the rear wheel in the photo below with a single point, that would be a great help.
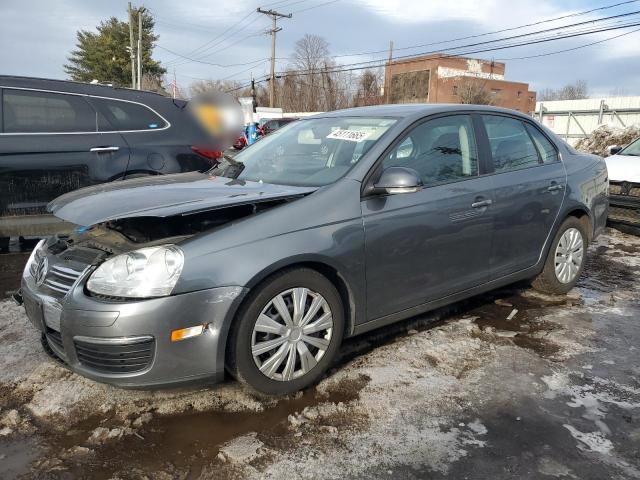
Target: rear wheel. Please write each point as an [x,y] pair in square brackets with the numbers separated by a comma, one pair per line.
[565,260]
[287,333]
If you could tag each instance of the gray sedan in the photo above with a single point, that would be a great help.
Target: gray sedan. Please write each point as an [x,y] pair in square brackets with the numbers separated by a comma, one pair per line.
[332,226]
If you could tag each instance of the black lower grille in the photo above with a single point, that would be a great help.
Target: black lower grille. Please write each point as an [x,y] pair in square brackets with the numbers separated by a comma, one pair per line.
[55,338]
[115,358]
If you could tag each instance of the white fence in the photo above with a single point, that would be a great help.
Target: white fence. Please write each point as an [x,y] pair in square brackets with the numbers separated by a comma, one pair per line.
[576,119]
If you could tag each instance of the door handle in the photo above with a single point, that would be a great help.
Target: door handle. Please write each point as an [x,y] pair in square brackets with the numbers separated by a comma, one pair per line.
[555,188]
[104,149]
[481,203]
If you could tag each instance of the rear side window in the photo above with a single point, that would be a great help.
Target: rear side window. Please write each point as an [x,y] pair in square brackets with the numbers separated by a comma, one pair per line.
[26,111]
[123,116]
[511,146]
[546,149]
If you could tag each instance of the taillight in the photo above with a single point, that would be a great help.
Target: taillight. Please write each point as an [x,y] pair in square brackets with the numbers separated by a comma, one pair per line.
[208,153]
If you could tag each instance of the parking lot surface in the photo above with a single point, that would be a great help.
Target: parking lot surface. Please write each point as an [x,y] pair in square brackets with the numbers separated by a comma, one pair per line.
[512,384]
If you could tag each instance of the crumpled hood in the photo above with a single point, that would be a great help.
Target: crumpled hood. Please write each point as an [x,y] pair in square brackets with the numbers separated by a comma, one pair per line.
[623,168]
[164,196]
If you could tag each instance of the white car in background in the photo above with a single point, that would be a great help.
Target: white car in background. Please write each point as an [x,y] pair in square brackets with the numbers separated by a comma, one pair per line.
[624,184]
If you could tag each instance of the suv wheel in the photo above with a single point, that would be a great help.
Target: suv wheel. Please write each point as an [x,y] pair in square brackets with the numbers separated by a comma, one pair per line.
[287,333]
[565,260]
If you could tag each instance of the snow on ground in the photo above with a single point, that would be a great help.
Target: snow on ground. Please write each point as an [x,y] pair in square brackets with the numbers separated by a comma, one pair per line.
[552,392]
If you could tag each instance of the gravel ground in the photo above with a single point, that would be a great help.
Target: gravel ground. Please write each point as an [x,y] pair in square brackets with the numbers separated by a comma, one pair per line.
[470,391]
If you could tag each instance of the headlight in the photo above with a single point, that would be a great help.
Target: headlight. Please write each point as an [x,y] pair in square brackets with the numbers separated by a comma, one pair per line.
[148,272]
[34,258]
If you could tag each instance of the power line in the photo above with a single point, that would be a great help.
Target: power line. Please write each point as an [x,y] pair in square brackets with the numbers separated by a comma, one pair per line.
[381,63]
[577,14]
[221,65]
[205,46]
[508,38]
[316,6]
[569,49]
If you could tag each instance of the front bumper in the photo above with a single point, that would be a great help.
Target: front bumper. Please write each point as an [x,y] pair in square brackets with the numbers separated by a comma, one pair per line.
[624,200]
[128,344]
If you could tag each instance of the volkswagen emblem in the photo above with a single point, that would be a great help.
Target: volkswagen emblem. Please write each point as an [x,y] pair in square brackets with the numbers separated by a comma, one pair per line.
[41,271]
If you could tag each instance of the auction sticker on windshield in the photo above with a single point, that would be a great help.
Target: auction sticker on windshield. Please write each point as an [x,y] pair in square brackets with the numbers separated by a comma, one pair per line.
[350,135]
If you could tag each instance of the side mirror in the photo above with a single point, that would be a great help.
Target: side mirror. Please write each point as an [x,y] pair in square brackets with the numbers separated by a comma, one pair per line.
[398,180]
[614,149]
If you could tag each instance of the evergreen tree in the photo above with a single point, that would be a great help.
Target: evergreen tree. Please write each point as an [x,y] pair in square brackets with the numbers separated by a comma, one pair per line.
[104,56]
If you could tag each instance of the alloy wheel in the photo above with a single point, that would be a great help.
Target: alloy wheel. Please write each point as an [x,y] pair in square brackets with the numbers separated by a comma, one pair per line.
[569,255]
[291,334]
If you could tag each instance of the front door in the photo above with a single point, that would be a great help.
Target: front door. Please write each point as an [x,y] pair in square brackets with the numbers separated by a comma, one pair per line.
[426,245]
[49,145]
[529,186]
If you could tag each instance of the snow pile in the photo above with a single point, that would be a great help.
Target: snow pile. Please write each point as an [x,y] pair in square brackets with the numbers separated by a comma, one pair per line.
[606,136]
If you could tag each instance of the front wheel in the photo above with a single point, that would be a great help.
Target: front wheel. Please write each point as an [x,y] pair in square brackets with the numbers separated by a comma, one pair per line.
[287,333]
[565,259]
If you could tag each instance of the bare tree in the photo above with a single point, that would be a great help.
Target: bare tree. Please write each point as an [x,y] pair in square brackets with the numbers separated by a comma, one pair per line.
[310,57]
[368,88]
[572,91]
[474,91]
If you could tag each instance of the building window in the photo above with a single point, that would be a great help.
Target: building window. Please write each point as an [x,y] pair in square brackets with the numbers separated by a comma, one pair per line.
[519,93]
[455,90]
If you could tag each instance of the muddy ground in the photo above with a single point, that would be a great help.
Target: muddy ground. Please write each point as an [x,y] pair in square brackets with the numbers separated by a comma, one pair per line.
[464,392]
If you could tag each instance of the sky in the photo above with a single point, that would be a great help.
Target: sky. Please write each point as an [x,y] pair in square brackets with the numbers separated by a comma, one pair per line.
[37,36]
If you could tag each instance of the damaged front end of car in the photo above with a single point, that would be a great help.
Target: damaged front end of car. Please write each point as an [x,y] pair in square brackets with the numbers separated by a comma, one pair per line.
[104,297]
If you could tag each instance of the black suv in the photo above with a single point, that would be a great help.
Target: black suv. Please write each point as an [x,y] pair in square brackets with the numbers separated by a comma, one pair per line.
[57,136]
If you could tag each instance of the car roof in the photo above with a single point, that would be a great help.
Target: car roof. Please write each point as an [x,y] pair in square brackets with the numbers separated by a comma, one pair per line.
[415,110]
[68,86]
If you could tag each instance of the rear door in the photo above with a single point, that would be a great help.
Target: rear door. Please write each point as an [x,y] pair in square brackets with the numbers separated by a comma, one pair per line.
[49,145]
[529,182]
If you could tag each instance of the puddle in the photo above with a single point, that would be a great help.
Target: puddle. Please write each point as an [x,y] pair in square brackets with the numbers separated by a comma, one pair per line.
[16,456]
[604,275]
[185,442]
[524,328]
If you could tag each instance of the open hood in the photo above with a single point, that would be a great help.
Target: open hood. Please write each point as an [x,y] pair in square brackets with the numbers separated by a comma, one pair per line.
[164,196]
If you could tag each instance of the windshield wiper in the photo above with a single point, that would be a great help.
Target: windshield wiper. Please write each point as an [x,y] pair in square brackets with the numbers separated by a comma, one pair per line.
[231,160]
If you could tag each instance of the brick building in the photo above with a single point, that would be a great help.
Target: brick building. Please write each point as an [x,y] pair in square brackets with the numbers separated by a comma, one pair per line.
[437,79]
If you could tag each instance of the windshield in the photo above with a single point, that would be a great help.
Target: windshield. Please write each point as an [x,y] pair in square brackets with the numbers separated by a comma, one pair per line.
[313,152]
[632,149]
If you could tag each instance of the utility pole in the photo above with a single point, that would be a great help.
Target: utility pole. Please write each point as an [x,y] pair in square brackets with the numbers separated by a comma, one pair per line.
[131,50]
[254,101]
[140,12]
[387,87]
[274,29]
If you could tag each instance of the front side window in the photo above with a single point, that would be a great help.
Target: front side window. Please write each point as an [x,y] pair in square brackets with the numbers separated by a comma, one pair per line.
[633,149]
[440,150]
[124,116]
[547,151]
[311,152]
[511,146]
[27,111]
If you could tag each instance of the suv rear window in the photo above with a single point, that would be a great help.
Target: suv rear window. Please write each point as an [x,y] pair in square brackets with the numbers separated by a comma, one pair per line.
[122,116]
[27,111]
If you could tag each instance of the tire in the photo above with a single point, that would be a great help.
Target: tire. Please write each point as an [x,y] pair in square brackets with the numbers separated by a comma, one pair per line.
[280,373]
[559,283]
